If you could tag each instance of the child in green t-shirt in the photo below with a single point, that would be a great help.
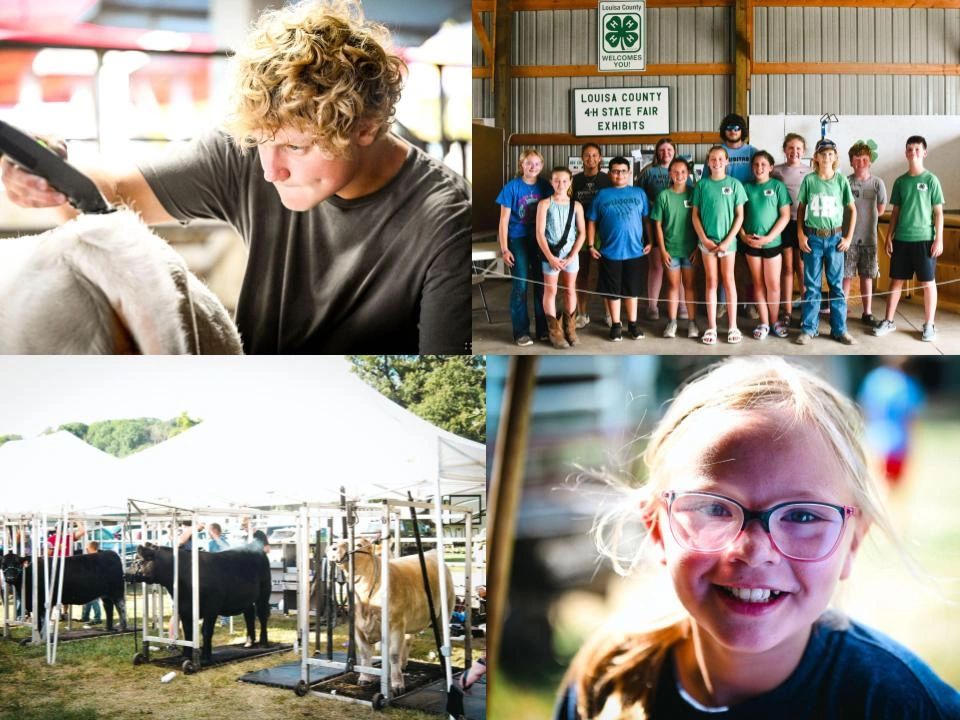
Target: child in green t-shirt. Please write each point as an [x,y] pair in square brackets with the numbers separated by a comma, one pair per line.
[717,216]
[823,195]
[915,239]
[766,214]
[673,229]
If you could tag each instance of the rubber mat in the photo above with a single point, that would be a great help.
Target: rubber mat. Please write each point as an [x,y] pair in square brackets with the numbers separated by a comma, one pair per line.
[223,654]
[288,675]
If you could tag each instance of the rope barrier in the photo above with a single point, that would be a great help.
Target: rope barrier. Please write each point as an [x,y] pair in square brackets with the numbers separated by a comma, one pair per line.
[609,296]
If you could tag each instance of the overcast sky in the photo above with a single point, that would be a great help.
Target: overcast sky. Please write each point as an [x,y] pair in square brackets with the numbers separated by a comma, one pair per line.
[41,392]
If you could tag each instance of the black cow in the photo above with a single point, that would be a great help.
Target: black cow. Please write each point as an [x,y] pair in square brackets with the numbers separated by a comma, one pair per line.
[231,582]
[85,578]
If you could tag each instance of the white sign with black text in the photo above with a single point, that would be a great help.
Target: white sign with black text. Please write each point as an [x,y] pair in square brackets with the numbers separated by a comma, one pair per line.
[623,33]
[621,111]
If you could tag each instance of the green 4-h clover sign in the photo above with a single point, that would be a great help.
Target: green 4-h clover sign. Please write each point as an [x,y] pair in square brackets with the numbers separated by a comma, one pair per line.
[873,149]
[621,33]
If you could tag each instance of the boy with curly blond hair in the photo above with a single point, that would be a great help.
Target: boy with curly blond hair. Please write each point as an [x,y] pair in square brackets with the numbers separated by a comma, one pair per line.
[358,242]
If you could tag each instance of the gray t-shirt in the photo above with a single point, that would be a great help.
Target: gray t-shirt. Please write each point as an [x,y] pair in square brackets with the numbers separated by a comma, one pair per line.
[388,272]
[791,177]
[867,195]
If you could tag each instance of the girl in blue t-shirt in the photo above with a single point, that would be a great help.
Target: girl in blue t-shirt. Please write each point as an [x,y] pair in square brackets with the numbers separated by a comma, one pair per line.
[518,211]
[758,498]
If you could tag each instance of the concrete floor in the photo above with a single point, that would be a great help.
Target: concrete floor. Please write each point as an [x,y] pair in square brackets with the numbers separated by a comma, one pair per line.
[496,337]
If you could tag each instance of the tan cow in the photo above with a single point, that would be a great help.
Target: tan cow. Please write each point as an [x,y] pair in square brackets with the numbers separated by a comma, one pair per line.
[408,610]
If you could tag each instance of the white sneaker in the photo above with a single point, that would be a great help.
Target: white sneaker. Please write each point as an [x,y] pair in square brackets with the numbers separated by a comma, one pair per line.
[583,319]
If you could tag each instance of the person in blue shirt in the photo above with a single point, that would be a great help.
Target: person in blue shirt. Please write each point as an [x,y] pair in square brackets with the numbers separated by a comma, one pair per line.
[891,400]
[758,496]
[518,244]
[618,215]
[733,137]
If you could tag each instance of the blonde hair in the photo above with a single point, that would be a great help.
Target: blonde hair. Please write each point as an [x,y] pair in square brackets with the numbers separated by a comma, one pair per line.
[616,674]
[524,155]
[318,67]
[815,163]
[721,148]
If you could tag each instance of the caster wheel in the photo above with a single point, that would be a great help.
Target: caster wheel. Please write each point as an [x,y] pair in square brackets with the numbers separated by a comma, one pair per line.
[139,659]
[301,688]
[379,702]
[188,667]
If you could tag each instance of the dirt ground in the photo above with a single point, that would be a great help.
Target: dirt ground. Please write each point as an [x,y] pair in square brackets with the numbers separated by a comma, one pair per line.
[96,679]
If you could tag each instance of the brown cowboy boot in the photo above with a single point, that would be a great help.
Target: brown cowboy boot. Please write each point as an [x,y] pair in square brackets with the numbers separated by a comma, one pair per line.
[556,333]
[570,328]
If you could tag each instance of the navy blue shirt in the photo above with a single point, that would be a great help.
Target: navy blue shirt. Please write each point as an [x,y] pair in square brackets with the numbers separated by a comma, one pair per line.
[846,673]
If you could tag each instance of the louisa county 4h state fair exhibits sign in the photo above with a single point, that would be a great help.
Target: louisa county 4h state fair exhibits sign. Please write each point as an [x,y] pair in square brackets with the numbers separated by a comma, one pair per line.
[621,111]
[623,32]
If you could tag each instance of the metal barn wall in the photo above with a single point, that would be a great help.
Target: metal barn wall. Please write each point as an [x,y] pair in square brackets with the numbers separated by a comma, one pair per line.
[569,37]
[482,87]
[861,35]
[702,35]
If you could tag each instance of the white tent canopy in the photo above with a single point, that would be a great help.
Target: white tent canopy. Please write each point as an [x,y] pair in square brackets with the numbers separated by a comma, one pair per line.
[43,473]
[355,438]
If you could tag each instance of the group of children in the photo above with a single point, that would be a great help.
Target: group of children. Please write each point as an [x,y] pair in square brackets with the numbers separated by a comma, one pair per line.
[830,218]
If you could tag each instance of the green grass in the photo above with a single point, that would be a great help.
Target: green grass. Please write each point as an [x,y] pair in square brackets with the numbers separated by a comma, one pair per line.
[96,680]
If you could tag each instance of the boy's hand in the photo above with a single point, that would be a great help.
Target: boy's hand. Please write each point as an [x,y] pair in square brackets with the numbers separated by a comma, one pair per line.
[936,250]
[28,190]
[594,253]
[888,246]
[508,258]
[845,242]
[803,242]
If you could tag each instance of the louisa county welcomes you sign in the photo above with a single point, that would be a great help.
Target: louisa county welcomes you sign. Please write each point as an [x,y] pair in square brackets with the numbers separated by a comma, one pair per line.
[621,111]
[623,34]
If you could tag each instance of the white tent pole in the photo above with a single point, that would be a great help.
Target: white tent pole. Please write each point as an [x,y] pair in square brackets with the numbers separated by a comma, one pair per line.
[386,664]
[35,569]
[441,567]
[195,595]
[62,563]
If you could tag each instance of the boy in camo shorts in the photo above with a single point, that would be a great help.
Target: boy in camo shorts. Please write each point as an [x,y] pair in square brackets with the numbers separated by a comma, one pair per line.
[870,198]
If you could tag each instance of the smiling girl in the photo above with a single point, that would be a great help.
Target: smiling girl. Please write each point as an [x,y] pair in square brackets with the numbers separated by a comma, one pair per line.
[560,238]
[757,502]
[717,216]
[518,211]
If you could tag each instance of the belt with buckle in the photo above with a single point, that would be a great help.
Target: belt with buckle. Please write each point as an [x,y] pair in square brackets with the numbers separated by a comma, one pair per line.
[823,233]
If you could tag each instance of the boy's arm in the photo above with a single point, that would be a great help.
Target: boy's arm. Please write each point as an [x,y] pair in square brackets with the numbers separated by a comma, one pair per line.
[592,238]
[847,239]
[936,250]
[801,234]
[891,231]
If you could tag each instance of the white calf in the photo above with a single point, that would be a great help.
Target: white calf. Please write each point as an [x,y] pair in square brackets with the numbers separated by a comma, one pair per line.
[408,609]
[106,284]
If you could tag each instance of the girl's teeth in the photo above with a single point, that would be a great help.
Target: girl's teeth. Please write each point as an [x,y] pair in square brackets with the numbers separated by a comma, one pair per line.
[754,595]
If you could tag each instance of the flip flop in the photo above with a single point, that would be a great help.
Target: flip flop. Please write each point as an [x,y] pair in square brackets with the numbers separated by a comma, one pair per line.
[761,331]
[734,336]
[709,336]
